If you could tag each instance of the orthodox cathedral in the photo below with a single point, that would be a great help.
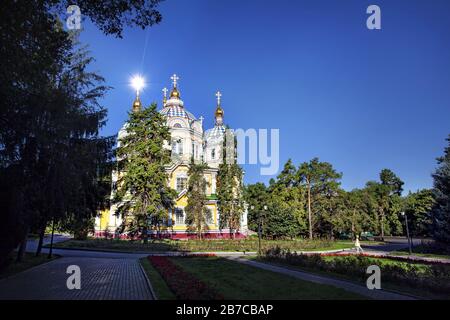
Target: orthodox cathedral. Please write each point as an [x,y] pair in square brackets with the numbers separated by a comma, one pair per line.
[188,141]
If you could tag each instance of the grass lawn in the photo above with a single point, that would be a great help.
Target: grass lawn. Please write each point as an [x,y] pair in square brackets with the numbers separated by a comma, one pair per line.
[246,245]
[406,289]
[29,261]
[238,281]
[160,287]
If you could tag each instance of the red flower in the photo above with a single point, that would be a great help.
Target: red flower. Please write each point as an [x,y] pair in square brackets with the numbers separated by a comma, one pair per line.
[183,284]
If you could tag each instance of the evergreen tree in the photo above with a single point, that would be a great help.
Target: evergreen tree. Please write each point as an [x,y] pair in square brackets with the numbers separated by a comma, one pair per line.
[321,183]
[441,210]
[280,222]
[143,195]
[196,210]
[229,188]
[42,117]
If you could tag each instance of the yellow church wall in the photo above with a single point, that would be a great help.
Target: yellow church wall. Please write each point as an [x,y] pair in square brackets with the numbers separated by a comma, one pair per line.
[104,219]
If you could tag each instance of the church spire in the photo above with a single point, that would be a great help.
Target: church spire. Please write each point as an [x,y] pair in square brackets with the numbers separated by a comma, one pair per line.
[219,111]
[165,96]
[137,105]
[175,93]
[138,83]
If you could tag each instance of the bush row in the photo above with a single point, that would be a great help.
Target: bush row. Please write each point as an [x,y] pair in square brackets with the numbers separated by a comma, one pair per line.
[434,277]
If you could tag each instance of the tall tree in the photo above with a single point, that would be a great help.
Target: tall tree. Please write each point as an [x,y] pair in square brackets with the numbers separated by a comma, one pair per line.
[386,203]
[196,210]
[356,211]
[34,52]
[142,194]
[256,197]
[287,195]
[441,209]
[320,180]
[418,206]
[229,187]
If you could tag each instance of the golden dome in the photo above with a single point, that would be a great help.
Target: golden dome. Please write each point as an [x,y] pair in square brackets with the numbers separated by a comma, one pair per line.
[175,93]
[137,105]
[219,111]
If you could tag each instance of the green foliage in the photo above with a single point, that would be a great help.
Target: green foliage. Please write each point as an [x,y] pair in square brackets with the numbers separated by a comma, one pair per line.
[229,189]
[312,193]
[289,196]
[256,196]
[53,163]
[441,210]
[280,223]
[418,206]
[433,277]
[321,182]
[143,196]
[196,210]
[385,203]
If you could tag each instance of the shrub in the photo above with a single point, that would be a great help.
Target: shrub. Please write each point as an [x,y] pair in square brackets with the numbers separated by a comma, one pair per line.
[434,277]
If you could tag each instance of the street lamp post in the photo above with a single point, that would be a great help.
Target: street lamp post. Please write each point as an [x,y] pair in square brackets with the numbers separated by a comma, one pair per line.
[259,228]
[407,232]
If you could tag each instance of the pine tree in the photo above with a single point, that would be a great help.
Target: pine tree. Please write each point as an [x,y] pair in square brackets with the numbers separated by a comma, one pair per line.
[441,210]
[143,195]
[321,182]
[196,211]
[229,188]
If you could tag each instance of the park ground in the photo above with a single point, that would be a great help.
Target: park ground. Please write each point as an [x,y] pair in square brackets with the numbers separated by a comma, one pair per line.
[113,269]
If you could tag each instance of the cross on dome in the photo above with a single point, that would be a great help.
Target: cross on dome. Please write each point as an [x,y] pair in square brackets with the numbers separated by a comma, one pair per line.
[218,95]
[174,78]
[165,92]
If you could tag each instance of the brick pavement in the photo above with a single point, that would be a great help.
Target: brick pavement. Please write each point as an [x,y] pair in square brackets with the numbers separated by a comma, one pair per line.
[101,278]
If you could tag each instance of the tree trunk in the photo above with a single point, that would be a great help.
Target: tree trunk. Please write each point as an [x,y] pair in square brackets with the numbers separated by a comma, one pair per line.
[22,247]
[145,235]
[309,211]
[382,225]
[41,239]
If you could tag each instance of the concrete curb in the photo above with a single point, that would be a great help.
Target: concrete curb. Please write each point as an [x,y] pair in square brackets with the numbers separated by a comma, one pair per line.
[149,284]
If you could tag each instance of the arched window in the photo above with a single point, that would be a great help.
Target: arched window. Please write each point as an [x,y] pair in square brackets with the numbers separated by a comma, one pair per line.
[177,125]
[213,154]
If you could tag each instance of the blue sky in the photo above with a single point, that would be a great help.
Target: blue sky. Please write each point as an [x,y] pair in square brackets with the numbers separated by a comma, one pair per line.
[361,99]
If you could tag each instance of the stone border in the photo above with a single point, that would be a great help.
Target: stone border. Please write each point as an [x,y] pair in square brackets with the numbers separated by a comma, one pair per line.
[149,284]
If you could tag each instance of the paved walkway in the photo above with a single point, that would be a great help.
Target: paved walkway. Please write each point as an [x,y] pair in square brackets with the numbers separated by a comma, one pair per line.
[346,285]
[101,278]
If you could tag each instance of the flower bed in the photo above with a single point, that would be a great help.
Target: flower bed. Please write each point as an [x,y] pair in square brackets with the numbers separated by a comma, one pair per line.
[433,277]
[183,284]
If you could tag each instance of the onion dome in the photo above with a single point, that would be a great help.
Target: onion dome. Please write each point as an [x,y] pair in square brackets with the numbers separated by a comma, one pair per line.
[174,106]
[176,111]
[215,133]
[137,105]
